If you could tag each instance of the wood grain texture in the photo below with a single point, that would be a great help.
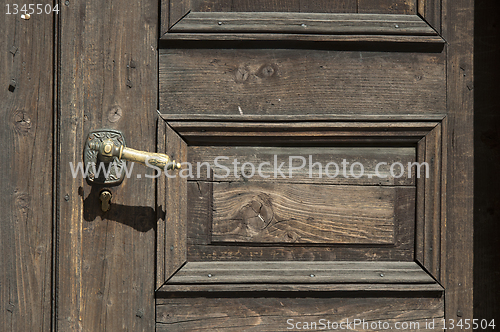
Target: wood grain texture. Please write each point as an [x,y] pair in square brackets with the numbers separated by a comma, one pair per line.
[325,6]
[312,170]
[401,252]
[406,7]
[175,208]
[299,82]
[211,6]
[265,5]
[167,289]
[200,247]
[301,272]
[26,171]
[432,229]
[309,23]
[433,119]
[420,207]
[177,9]
[457,253]
[271,313]
[429,193]
[407,41]
[430,10]
[262,212]
[108,80]
[293,133]
[161,213]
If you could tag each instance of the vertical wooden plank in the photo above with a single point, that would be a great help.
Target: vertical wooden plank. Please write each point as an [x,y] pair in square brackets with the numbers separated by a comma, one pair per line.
[420,206]
[430,10]
[176,207]
[458,31]
[108,79]
[177,10]
[164,16]
[432,226]
[161,184]
[26,133]
[387,6]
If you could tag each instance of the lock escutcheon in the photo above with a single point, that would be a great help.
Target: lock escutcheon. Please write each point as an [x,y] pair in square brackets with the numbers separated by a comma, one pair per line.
[105,198]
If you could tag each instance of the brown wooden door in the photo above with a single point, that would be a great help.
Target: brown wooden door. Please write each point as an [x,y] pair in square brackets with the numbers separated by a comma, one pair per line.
[268,248]
[299,84]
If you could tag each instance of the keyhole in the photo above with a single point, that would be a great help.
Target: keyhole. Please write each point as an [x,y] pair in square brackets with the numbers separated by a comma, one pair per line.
[105,198]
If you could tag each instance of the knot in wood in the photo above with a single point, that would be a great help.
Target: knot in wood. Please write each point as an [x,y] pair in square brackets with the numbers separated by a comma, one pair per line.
[241,75]
[257,214]
[268,70]
[115,114]
[22,122]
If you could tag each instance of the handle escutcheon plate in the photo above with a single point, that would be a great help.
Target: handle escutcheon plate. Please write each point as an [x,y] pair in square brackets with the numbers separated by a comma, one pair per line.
[112,168]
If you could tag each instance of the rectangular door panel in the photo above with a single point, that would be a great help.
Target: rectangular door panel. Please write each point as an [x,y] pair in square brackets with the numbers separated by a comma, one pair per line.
[265,212]
[277,313]
[308,164]
[241,82]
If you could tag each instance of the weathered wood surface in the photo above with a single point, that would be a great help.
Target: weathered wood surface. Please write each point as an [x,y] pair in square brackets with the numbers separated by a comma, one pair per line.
[430,11]
[26,171]
[311,23]
[271,313]
[186,289]
[173,200]
[314,133]
[432,228]
[407,7]
[403,40]
[317,6]
[108,80]
[262,212]
[201,211]
[321,6]
[315,157]
[301,272]
[175,11]
[433,119]
[161,213]
[299,82]
[457,226]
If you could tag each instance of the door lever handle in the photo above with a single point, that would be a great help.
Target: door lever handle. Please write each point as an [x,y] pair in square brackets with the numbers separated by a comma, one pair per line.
[107,146]
[108,149]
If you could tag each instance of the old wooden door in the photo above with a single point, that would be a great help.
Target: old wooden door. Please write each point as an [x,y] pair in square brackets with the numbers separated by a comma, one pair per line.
[285,89]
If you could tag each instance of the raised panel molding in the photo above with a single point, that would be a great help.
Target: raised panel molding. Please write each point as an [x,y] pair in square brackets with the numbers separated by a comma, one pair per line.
[425,135]
[180,22]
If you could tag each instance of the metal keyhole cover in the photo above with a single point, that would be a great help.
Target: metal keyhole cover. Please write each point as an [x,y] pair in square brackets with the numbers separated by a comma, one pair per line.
[103,171]
[105,198]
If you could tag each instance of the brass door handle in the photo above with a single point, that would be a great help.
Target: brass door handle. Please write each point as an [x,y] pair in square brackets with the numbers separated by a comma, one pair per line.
[108,146]
[108,149]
